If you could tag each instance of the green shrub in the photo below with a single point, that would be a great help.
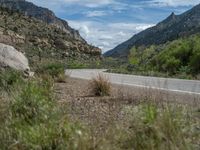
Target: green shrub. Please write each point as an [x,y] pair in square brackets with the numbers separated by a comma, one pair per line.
[76,65]
[194,63]
[55,70]
[101,86]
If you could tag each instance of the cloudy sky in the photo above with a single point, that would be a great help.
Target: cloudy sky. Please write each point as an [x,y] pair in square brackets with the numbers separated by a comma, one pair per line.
[107,23]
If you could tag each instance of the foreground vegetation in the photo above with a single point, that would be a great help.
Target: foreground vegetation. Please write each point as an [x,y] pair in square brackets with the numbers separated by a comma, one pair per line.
[32,118]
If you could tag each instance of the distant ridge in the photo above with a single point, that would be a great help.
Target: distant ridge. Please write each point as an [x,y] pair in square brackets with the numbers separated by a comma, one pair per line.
[173,27]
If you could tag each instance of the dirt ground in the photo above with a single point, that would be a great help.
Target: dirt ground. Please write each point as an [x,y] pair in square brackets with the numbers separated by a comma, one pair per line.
[101,112]
[80,89]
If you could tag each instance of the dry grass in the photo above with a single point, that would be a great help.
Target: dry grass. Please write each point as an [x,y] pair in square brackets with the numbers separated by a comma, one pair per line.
[100,86]
[61,78]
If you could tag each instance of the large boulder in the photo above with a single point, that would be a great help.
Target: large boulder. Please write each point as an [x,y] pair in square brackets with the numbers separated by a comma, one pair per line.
[10,57]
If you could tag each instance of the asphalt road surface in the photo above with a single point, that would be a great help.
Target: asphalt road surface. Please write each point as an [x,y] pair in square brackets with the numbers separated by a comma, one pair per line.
[166,84]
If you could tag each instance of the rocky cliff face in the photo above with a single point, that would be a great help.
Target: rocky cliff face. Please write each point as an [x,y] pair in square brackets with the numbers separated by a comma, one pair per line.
[39,40]
[43,14]
[173,27]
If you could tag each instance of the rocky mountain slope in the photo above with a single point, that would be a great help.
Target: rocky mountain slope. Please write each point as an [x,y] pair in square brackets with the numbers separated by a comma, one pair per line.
[38,39]
[40,13]
[173,27]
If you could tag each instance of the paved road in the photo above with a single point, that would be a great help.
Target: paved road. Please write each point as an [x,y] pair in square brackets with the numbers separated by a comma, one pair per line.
[166,84]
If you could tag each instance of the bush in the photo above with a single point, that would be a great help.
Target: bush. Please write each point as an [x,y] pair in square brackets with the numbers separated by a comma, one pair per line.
[76,65]
[101,86]
[55,70]
[195,62]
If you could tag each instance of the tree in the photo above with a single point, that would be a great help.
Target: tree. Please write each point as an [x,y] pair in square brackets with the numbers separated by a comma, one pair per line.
[133,57]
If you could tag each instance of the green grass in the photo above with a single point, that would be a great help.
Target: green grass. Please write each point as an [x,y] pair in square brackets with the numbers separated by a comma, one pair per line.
[76,65]
[34,120]
[52,69]
[163,127]
[55,70]
[9,78]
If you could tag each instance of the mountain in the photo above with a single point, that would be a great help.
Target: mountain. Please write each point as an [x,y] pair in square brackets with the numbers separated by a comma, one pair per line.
[41,40]
[40,13]
[39,34]
[173,27]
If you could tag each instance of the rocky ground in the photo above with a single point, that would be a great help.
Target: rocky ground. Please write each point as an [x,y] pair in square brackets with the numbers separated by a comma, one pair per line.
[101,112]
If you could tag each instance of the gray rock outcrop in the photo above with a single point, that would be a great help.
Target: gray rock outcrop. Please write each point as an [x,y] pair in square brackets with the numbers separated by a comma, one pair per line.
[10,57]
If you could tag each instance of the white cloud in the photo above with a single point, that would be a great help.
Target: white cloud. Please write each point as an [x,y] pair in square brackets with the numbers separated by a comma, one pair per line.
[174,3]
[118,4]
[87,3]
[90,3]
[107,36]
[95,13]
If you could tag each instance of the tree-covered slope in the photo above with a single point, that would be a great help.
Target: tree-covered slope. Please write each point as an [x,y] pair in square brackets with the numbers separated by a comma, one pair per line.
[178,56]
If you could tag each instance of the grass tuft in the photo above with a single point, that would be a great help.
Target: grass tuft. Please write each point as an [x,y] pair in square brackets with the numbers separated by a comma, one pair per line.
[101,86]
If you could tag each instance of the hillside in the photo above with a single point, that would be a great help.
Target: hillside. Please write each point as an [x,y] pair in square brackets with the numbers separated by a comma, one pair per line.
[44,14]
[41,40]
[173,27]
[178,57]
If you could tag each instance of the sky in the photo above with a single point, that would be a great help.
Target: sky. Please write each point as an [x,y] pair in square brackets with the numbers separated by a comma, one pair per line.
[107,23]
